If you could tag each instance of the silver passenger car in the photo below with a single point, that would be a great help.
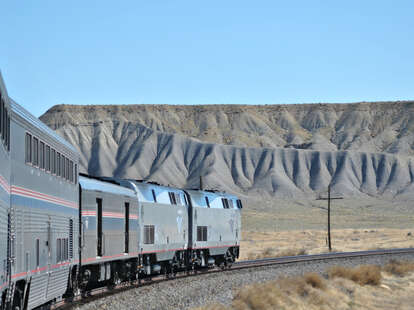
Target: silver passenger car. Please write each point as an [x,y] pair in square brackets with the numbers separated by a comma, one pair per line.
[43,213]
[109,231]
[4,188]
[215,223]
[163,224]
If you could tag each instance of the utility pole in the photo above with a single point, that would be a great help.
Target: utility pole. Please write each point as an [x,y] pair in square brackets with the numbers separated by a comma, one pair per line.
[329,214]
[201,182]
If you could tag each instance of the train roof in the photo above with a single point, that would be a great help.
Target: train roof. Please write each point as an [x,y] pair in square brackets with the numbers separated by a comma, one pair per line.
[198,199]
[211,193]
[94,184]
[35,122]
[145,184]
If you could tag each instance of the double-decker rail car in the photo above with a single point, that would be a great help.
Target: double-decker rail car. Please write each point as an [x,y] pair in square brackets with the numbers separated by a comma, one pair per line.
[163,222]
[215,224]
[4,189]
[43,211]
[109,215]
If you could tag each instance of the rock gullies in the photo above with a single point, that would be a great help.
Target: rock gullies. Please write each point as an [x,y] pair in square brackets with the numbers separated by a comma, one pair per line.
[115,146]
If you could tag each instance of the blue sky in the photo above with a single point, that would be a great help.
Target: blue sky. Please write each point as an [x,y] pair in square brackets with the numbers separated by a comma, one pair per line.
[206,52]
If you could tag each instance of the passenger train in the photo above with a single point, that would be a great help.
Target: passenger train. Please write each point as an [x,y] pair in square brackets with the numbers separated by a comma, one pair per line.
[63,233]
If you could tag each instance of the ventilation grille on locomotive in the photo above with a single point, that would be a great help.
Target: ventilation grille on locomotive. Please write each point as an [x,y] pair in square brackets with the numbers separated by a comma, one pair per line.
[149,233]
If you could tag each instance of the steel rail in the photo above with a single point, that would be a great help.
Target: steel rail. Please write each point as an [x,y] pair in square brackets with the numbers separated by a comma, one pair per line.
[106,291]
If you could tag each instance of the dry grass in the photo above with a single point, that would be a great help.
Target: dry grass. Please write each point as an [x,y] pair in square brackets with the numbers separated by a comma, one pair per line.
[310,214]
[271,252]
[363,275]
[345,288]
[399,268]
[288,243]
[314,280]
[280,293]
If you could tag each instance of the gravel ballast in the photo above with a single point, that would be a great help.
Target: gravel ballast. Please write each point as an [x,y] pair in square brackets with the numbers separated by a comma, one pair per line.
[204,289]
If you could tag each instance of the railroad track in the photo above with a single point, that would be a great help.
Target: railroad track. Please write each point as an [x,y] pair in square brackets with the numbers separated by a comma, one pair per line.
[105,291]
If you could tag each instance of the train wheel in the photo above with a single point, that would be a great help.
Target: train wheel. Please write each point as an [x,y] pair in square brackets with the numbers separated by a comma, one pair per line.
[229,259]
[116,280]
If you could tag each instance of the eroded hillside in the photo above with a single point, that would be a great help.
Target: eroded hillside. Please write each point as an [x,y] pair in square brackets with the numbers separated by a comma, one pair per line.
[368,127]
[139,142]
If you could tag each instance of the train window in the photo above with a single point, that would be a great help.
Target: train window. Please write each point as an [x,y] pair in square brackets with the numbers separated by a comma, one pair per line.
[177,198]
[64,249]
[28,148]
[76,173]
[58,250]
[70,238]
[4,134]
[153,195]
[230,202]
[207,202]
[58,164]
[67,169]
[6,125]
[3,112]
[3,122]
[8,132]
[47,158]
[239,204]
[37,253]
[35,159]
[71,171]
[1,116]
[63,166]
[42,155]
[5,128]
[149,234]
[201,233]
[172,198]
[225,203]
[53,161]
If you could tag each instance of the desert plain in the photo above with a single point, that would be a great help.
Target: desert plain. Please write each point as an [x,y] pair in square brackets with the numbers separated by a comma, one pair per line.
[288,227]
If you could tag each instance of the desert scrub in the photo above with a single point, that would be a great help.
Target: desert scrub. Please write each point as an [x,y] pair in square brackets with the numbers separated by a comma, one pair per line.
[399,268]
[365,274]
[271,253]
[310,291]
[284,293]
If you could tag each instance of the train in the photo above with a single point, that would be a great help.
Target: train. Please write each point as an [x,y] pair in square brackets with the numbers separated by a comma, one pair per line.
[63,233]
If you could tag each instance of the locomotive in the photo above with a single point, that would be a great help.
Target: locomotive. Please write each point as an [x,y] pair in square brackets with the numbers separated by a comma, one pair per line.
[63,232]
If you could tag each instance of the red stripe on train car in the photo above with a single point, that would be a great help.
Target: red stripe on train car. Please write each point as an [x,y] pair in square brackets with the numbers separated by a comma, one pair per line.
[214,247]
[40,196]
